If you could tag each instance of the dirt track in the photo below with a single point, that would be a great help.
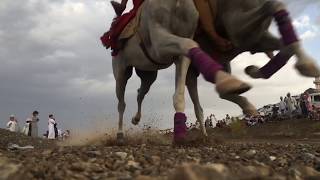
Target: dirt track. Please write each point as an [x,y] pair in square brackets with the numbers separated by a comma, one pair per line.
[239,155]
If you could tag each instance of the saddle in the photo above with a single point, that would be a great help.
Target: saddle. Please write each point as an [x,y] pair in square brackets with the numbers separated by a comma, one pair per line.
[122,28]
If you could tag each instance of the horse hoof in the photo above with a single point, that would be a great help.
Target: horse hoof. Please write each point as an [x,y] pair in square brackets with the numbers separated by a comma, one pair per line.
[253,72]
[120,138]
[250,112]
[135,121]
[307,68]
[231,85]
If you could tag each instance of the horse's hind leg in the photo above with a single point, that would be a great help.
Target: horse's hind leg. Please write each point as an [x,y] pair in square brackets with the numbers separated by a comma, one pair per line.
[121,75]
[305,64]
[147,79]
[191,83]
[242,102]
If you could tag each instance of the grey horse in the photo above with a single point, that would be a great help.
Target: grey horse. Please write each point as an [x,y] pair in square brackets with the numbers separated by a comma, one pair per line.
[165,37]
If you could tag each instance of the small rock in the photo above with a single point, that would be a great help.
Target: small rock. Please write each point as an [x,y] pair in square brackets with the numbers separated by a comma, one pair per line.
[134,165]
[251,153]
[308,156]
[272,158]
[194,172]
[117,164]
[156,160]
[121,155]
[46,152]
[255,172]
[130,157]
[77,167]
[282,162]
[218,167]
[94,153]
[143,145]
[181,151]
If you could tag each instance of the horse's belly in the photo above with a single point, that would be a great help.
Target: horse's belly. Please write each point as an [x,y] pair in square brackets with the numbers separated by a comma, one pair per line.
[135,56]
[141,62]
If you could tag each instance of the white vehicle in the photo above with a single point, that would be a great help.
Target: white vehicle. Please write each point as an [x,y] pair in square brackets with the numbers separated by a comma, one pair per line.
[315,99]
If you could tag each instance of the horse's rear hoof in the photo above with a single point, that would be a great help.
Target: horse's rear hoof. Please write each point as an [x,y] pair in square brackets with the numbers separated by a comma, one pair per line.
[308,69]
[228,84]
[120,138]
[232,87]
[253,72]
[135,121]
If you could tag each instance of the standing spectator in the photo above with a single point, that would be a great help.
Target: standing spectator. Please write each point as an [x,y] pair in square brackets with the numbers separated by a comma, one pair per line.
[227,118]
[282,106]
[51,127]
[308,103]
[33,124]
[207,122]
[12,125]
[275,112]
[303,105]
[290,102]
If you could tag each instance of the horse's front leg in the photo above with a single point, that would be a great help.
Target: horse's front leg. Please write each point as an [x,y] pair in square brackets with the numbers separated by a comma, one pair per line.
[121,74]
[180,128]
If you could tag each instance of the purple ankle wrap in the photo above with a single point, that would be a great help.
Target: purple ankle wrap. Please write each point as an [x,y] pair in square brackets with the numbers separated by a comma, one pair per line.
[207,66]
[180,128]
[274,65]
[285,27]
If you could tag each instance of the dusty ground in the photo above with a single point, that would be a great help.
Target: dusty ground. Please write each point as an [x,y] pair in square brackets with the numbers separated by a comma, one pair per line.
[278,150]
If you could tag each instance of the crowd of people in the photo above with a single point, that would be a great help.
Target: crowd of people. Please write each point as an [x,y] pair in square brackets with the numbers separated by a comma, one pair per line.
[297,107]
[289,107]
[30,127]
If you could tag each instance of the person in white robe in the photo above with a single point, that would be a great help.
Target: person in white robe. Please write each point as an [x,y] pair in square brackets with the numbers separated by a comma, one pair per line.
[33,124]
[51,130]
[282,106]
[12,125]
[290,102]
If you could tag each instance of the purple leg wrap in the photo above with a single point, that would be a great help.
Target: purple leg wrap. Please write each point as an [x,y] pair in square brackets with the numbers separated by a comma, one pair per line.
[288,37]
[274,65]
[180,128]
[285,27]
[207,66]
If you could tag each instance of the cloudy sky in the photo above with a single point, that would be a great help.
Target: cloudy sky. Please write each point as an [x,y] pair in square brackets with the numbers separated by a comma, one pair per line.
[52,61]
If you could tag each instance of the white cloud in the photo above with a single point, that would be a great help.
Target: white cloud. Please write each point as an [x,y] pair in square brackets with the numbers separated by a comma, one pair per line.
[306,28]
[302,22]
[308,35]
